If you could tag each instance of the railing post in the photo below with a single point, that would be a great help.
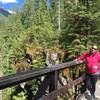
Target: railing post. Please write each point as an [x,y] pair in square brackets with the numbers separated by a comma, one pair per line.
[75,87]
[53,82]
[43,87]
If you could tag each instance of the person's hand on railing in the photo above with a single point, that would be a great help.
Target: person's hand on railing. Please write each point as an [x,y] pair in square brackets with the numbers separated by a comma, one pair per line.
[77,61]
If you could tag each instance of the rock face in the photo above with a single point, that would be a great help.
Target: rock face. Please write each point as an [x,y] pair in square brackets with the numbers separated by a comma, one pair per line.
[4,12]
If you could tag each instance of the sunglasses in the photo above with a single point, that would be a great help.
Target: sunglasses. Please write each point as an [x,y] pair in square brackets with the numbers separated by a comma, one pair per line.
[93,49]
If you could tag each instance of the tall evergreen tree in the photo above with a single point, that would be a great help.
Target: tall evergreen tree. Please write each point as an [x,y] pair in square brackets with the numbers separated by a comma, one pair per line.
[28,13]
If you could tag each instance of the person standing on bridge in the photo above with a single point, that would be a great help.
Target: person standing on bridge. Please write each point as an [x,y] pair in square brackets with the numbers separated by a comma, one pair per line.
[92,60]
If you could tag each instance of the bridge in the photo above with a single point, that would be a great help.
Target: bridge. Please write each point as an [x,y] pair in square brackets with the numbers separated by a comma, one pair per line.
[49,88]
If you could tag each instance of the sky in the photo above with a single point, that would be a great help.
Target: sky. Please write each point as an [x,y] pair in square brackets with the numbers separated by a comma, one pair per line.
[9,4]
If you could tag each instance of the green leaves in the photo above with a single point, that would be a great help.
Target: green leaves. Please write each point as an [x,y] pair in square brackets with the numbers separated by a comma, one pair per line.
[37,23]
[30,26]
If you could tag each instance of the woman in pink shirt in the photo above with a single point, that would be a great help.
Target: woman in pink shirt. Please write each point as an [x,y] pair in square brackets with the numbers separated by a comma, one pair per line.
[92,60]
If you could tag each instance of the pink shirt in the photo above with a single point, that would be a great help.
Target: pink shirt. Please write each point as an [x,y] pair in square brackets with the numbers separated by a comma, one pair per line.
[92,61]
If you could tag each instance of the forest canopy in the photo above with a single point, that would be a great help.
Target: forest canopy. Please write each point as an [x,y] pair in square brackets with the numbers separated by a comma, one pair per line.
[73,24]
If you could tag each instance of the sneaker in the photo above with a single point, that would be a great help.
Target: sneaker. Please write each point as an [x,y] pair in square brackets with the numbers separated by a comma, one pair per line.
[87,94]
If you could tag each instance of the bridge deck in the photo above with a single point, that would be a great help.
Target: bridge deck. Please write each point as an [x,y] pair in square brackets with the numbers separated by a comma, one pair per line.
[98,90]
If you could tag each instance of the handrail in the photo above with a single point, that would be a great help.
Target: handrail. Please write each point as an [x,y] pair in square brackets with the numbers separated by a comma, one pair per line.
[14,79]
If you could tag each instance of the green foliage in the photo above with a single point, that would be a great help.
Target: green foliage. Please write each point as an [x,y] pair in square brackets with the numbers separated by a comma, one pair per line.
[20,96]
[80,20]
[25,28]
